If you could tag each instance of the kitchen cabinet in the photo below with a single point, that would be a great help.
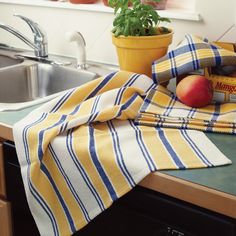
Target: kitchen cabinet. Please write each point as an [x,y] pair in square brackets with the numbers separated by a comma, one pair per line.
[5,219]
[22,220]
[5,208]
[2,174]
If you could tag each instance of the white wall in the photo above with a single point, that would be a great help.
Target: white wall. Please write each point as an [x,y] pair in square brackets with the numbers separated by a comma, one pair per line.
[235,13]
[217,17]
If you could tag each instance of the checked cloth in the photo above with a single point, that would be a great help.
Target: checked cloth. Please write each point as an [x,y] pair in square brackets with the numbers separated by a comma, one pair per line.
[161,108]
[191,54]
[82,151]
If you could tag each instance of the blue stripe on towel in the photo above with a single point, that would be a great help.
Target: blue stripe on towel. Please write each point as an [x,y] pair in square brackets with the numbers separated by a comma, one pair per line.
[127,104]
[173,65]
[94,114]
[101,85]
[170,150]
[147,100]
[193,52]
[143,148]
[170,105]
[24,136]
[214,118]
[217,55]
[195,148]
[60,198]
[44,206]
[63,127]
[132,79]
[96,90]
[119,95]
[217,111]
[82,171]
[119,155]
[154,74]
[76,109]
[32,189]
[41,134]
[69,184]
[62,100]
[97,164]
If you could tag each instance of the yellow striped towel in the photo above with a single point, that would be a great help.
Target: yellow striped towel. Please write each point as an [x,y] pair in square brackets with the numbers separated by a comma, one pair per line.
[161,108]
[81,151]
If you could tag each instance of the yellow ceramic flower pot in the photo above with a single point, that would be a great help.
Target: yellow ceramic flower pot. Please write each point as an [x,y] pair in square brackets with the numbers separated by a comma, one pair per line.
[137,53]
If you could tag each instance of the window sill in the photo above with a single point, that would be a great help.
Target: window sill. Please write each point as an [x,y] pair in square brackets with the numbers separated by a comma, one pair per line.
[171,13]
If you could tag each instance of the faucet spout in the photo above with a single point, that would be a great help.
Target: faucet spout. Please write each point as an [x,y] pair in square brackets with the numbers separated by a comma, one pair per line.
[77,37]
[40,44]
[18,35]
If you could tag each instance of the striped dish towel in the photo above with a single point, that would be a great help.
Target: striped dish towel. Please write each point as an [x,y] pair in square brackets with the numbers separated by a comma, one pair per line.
[82,151]
[191,54]
[161,108]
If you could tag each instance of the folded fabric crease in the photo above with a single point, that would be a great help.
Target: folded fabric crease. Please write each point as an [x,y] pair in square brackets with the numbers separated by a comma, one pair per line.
[161,108]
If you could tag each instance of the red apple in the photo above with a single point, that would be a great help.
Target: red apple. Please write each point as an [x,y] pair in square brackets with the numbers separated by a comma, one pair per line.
[195,91]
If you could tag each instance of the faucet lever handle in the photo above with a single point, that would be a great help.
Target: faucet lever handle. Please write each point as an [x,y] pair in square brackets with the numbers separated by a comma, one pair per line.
[40,38]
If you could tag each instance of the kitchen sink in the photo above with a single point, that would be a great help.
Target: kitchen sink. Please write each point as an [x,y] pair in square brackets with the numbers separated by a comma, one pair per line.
[6,61]
[23,83]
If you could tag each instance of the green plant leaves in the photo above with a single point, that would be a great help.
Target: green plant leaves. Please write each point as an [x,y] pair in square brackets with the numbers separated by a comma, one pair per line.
[140,20]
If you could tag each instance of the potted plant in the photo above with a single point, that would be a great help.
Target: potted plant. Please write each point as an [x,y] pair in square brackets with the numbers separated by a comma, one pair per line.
[138,38]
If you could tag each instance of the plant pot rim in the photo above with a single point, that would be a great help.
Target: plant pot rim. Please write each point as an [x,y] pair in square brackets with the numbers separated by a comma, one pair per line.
[145,37]
[143,42]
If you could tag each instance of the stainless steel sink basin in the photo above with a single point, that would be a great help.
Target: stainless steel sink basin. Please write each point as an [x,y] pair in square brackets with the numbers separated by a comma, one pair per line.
[9,61]
[25,83]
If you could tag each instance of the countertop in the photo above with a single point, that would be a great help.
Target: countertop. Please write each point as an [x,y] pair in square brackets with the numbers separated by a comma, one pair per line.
[211,188]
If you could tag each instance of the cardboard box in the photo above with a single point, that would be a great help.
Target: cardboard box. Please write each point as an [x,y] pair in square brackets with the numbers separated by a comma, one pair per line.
[224,86]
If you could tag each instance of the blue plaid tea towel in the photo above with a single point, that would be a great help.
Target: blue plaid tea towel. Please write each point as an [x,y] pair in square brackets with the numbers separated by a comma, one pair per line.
[191,54]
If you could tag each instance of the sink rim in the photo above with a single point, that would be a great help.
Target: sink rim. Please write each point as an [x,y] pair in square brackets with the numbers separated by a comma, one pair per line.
[12,57]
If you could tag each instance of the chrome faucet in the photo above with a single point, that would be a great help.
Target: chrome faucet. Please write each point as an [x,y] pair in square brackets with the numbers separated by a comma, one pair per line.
[40,44]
